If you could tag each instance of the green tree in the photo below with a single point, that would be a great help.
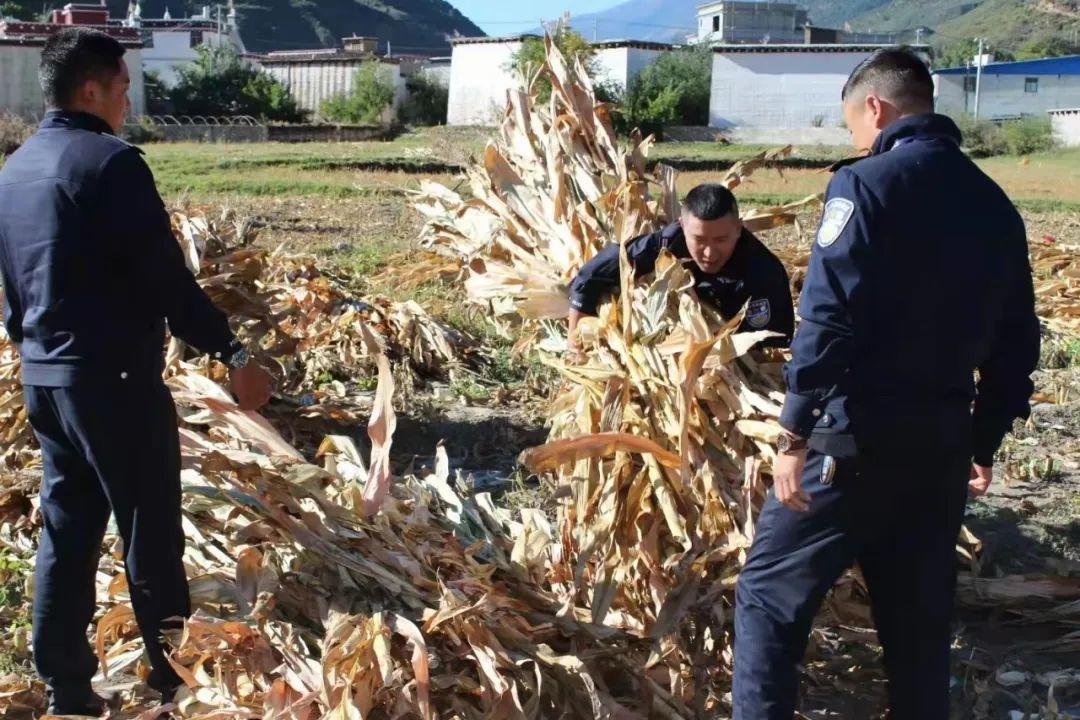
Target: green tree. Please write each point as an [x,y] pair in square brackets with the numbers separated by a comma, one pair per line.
[17,10]
[427,101]
[365,103]
[157,93]
[673,90]
[1050,46]
[963,52]
[533,53]
[220,82]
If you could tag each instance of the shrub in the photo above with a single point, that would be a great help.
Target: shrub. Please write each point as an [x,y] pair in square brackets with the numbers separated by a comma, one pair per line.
[982,138]
[532,54]
[145,131]
[1027,135]
[427,101]
[674,90]
[220,82]
[365,103]
[14,131]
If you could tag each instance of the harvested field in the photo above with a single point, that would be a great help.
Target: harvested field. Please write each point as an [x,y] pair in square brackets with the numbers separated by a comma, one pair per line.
[362,575]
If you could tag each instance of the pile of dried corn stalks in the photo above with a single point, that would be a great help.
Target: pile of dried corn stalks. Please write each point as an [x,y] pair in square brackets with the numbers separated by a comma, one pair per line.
[662,436]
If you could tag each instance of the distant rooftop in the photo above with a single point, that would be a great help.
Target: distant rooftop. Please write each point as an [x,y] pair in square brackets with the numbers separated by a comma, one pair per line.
[640,44]
[811,47]
[490,40]
[1065,65]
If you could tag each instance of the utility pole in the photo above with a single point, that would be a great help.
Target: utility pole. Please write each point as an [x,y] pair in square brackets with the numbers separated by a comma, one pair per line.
[978,77]
[595,28]
[918,36]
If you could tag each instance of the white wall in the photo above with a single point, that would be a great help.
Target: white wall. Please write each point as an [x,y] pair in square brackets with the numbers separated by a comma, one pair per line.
[780,90]
[20,92]
[1066,128]
[479,81]
[949,96]
[620,65]
[172,49]
[1003,96]
[312,83]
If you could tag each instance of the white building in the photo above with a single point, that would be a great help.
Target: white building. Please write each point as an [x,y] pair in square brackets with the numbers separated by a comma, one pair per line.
[170,43]
[1010,89]
[740,21]
[20,55]
[620,61]
[1065,125]
[315,76]
[783,93]
[480,77]
[481,72]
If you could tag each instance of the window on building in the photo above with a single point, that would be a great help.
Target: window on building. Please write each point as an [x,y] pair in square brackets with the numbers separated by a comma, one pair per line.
[716,23]
[1031,85]
[969,83]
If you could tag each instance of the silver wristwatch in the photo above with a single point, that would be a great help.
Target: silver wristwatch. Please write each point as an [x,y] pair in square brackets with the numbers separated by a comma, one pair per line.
[239,359]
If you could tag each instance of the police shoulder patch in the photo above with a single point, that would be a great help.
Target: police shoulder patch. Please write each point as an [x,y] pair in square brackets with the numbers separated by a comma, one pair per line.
[758,313]
[833,220]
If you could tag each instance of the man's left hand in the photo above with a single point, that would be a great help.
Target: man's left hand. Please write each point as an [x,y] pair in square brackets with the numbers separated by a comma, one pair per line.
[981,477]
[787,481]
[252,386]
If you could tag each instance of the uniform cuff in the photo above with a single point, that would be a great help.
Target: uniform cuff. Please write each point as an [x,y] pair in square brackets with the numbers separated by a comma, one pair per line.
[583,304]
[226,353]
[800,414]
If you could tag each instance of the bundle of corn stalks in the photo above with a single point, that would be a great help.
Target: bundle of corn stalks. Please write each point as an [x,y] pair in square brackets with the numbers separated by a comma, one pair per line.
[1057,287]
[301,320]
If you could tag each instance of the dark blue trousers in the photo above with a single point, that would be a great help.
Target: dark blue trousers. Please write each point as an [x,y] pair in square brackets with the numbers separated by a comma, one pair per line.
[106,446]
[898,517]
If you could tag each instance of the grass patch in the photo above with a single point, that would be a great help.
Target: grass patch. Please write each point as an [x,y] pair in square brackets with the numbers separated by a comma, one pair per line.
[14,612]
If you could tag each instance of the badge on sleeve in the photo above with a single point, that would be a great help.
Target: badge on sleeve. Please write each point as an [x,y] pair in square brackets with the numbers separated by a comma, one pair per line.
[758,313]
[833,220]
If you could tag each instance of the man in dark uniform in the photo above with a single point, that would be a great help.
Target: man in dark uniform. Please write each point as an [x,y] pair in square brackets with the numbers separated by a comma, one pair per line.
[91,274]
[731,267]
[919,277]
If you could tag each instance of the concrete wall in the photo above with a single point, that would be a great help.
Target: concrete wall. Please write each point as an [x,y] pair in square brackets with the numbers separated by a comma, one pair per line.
[1004,96]
[780,90]
[479,81]
[949,95]
[750,22]
[20,92]
[1066,127]
[312,83]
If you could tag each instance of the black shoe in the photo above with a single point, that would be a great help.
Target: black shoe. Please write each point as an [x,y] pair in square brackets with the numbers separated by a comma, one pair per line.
[168,696]
[83,701]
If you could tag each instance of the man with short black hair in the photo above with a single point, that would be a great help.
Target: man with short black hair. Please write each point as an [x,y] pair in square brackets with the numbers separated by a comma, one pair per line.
[731,267]
[91,274]
[919,277]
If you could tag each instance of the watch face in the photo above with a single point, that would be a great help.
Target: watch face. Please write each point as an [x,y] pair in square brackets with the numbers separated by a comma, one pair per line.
[240,359]
[783,443]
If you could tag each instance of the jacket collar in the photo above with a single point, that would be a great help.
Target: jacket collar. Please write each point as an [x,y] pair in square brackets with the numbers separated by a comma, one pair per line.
[913,127]
[75,120]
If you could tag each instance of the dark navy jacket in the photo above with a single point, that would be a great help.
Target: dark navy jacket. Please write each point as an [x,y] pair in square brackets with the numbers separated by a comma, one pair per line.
[89,265]
[918,278]
[752,274]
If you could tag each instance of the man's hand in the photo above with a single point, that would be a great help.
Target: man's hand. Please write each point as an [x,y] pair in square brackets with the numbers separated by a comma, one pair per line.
[251,385]
[787,481]
[981,477]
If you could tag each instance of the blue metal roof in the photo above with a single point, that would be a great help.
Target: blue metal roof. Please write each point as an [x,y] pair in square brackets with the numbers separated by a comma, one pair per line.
[1067,65]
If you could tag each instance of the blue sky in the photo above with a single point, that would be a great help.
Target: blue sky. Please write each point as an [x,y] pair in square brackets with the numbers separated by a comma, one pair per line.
[499,17]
